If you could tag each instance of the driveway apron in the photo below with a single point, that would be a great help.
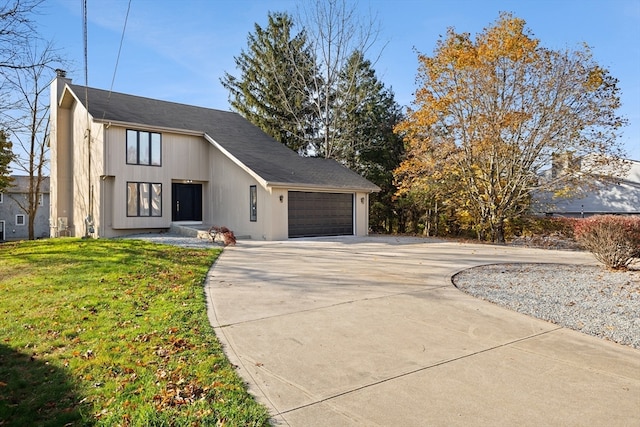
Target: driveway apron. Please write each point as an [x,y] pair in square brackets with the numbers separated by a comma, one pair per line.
[371,332]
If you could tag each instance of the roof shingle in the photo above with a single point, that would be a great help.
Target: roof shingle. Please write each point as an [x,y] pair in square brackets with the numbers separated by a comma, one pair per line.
[269,159]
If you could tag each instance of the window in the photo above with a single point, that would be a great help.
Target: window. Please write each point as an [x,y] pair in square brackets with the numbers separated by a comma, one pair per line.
[144,199]
[1,197]
[253,203]
[144,148]
[20,219]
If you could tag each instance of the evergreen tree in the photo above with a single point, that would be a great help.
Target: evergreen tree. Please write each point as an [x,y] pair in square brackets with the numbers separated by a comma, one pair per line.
[268,92]
[364,137]
[6,157]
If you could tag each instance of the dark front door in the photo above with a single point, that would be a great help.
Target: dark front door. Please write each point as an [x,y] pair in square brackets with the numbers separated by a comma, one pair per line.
[1,231]
[186,202]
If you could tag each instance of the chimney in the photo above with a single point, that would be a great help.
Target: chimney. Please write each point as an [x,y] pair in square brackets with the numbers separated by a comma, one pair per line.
[61,73]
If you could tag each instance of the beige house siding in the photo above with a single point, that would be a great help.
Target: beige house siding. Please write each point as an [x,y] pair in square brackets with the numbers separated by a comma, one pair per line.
[76,174]
[229,196]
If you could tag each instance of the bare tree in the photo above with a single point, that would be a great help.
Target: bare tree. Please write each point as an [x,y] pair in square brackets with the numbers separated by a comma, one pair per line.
[335,31]
[16,32]
[28,121]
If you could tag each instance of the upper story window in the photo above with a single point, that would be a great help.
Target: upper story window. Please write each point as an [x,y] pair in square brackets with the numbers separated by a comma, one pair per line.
[144,148]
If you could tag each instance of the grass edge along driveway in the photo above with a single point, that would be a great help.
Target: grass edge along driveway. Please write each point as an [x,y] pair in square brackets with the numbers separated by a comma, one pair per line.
[113,332]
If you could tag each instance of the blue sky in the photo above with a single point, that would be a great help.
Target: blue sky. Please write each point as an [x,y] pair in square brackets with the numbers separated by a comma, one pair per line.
[179,50]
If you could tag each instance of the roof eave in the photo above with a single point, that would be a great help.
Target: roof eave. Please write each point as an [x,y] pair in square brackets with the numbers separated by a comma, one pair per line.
[324,188]
[141,126]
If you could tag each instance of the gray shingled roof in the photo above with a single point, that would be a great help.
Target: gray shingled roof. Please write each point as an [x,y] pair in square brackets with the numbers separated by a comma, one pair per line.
[269,159]
[20,184]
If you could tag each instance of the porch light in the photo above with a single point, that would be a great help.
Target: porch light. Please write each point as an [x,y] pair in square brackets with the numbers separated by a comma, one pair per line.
[281,198]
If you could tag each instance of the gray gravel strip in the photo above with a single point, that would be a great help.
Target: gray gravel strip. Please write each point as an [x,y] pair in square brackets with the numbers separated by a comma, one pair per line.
[175,239]
[589,299]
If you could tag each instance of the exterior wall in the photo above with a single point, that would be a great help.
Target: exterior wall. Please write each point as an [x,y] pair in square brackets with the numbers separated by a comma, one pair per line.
[279,214]
[9,209]
[61,176]
[86,166]
[621,198]
[361,208]
[184,159]
[76,145]
[230,203]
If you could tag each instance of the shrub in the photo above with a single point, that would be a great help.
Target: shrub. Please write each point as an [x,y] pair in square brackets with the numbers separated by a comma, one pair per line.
[613,240]
[544,226]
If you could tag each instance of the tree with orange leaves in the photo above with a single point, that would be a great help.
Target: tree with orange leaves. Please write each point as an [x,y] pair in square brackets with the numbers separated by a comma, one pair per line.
[492,113]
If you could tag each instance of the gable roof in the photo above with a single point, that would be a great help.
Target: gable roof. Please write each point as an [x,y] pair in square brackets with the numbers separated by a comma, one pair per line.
[272,161]
[20,184]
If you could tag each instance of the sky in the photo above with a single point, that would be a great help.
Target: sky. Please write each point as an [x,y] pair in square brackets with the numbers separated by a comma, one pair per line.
[178,50]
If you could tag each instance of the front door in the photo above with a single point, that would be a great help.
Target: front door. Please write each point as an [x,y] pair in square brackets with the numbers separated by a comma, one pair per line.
[186,202]
[1,231]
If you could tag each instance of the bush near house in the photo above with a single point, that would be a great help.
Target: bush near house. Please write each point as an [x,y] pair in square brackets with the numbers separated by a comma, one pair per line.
[613,240]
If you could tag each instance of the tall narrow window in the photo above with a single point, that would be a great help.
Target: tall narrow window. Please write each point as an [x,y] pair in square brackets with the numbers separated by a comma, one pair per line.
[144,148]
[1,197]
[132,147]
[144,199]
[156,150]
[132,199]
[253,203]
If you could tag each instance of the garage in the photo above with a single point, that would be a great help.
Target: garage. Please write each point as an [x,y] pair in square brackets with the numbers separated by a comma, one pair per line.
[320,214]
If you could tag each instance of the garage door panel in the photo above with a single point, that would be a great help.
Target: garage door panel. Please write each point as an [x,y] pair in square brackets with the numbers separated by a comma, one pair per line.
[320,214]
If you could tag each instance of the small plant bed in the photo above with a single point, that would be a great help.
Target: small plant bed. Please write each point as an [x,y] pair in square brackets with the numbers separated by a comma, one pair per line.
[113,332]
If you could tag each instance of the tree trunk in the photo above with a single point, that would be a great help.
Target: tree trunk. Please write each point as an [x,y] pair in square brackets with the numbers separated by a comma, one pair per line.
[499,231]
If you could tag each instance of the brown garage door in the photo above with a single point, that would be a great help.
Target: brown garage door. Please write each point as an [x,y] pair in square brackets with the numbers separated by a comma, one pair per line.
[320,214]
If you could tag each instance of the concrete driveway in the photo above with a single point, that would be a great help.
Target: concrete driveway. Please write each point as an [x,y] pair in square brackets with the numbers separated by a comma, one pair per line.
[371,332]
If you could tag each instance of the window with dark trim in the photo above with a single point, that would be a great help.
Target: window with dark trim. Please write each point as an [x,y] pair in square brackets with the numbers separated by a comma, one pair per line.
[144,148]
[144,199]
[253,203]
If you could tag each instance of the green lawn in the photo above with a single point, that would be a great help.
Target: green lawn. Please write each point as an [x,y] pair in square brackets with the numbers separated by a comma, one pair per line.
[112,332]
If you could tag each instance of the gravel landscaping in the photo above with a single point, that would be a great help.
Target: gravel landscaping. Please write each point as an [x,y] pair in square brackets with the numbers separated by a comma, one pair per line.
[589,299]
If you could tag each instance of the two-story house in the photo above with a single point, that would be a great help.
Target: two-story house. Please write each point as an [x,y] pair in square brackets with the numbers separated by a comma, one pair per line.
[123,164]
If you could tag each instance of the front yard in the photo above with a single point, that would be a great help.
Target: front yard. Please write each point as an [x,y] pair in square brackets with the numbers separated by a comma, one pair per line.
[112,332]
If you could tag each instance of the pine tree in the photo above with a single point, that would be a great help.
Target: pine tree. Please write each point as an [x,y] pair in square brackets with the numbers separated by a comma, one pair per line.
[364,138]
[268,91]
[6,157]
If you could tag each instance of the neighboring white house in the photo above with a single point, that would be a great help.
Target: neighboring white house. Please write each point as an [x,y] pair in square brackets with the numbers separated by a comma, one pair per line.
[14,222]
[129,164]
[620,196]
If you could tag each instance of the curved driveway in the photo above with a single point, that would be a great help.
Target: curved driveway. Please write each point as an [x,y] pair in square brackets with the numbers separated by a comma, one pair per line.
[371,332]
